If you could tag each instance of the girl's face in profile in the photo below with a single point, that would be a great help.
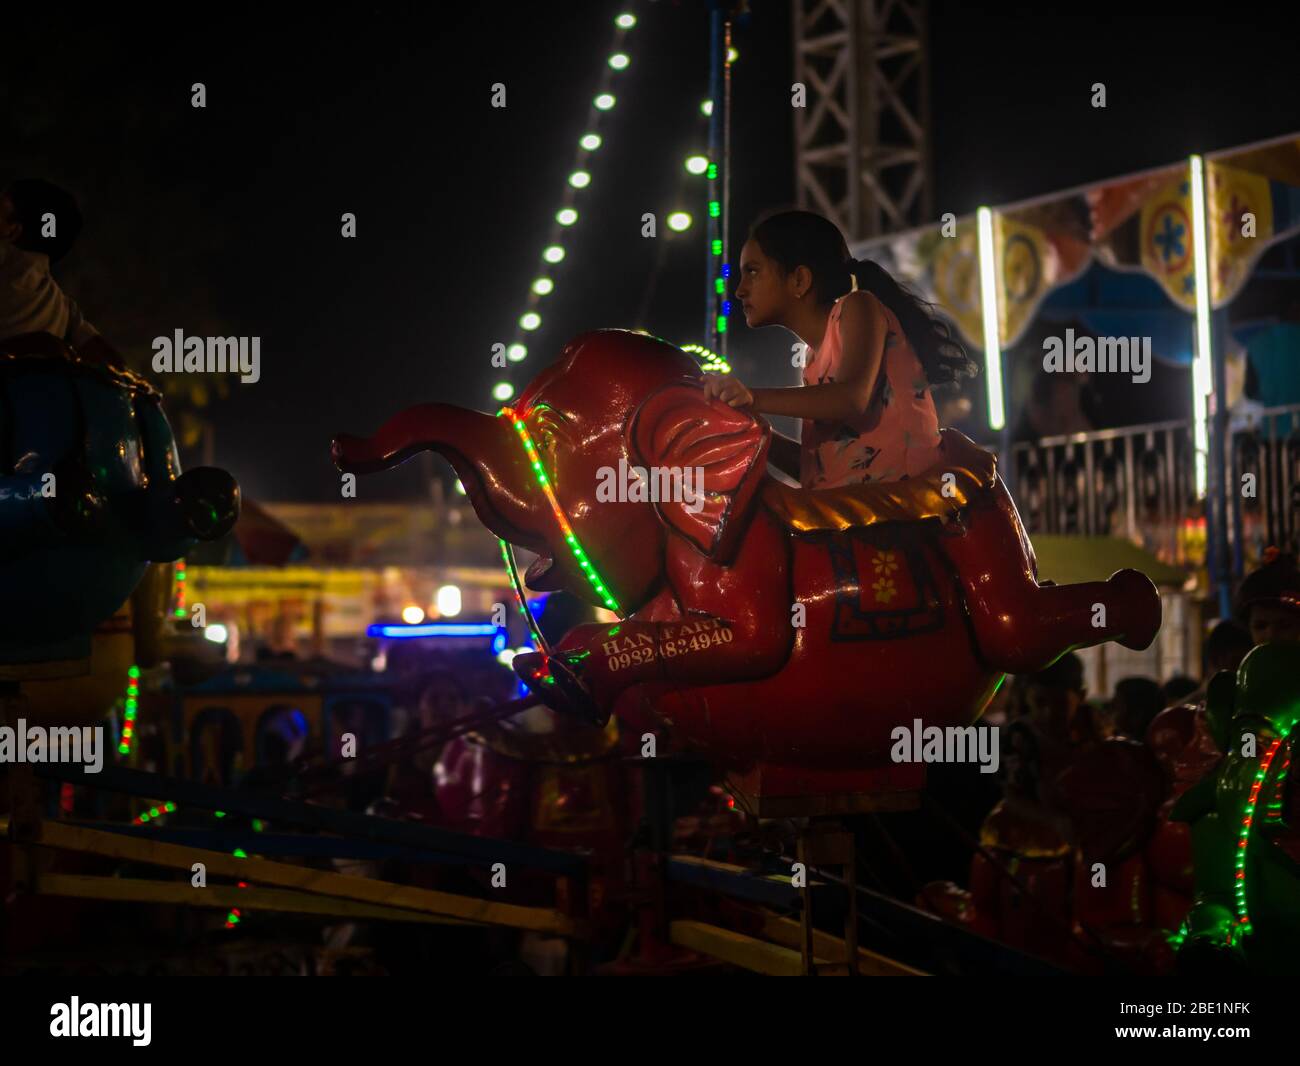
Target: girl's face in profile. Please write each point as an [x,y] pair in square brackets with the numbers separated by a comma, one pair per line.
[763,291]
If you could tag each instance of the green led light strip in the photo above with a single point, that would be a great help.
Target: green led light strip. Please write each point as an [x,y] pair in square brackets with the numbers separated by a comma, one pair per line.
[179,611]
[154,812]
[512,571]
[709,361]
[1243,926]
[539,471]
[131,703]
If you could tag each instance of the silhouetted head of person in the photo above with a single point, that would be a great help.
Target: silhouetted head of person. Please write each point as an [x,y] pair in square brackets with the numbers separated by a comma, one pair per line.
[442,699]
[1225,647]
[1268,601]
[1020,760]
[1054,696]
[38,216]
[1136,702]
[1178,688]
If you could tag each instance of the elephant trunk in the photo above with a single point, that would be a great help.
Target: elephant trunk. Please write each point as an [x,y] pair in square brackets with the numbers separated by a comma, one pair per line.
[491,464]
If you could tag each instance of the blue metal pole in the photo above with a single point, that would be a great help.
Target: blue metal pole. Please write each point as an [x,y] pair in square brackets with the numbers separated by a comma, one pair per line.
[713,231]
[1217,499]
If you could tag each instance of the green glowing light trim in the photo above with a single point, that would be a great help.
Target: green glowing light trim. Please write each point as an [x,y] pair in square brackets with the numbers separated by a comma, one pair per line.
[512,572]
[570,538]
[1243,926]
[709,360]
[130,705]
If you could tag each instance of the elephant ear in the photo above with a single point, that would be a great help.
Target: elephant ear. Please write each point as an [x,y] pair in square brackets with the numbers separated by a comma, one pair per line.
[678,428]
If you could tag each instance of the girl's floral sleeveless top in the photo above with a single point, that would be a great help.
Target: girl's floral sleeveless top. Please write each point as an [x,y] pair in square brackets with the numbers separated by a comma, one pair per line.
[897,437]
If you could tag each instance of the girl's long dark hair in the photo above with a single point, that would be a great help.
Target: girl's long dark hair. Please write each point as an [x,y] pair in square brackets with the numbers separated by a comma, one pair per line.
[802,238]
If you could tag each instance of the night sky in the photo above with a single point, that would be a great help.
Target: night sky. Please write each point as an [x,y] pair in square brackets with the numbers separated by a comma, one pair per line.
[225,220]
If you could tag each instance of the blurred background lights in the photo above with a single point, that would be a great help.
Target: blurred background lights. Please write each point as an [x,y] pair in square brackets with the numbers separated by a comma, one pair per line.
[503,391]
[566,216]
[579,179]
[530,320]
[516,353]
[590,141]
[448,601]
[697,164]
[625,21]
[604,101]
[215,633]
[679,221]
[543,286]
[553,254]
[619,61]
[412,615]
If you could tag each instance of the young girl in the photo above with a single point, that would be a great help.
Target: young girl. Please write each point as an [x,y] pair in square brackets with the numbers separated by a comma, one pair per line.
[874,352]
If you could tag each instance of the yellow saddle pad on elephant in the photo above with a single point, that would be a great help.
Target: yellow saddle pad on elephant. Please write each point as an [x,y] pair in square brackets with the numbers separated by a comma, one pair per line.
[928,495]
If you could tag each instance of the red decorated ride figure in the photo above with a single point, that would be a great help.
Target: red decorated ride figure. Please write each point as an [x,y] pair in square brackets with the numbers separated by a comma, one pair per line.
[768,625]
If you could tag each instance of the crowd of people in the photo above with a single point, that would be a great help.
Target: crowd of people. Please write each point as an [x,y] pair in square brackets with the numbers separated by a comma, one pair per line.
[1075,857]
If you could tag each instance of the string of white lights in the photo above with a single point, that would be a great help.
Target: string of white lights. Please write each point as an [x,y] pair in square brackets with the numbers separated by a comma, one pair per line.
[567,216]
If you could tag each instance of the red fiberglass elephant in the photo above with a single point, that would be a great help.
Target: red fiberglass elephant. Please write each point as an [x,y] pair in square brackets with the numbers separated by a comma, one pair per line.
[767,624]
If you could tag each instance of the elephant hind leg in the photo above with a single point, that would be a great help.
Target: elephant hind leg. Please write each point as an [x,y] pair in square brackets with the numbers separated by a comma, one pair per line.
[1022,626]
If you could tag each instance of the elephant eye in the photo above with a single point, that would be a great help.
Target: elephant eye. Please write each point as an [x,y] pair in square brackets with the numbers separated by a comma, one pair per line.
[546,432]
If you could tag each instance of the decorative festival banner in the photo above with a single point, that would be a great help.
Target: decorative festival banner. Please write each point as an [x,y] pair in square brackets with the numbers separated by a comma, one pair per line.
[955,278]
[942,270]
[1039,249]
[1165,227]
[1114,203]
[1254,203]
[1241,227]
[1140,223]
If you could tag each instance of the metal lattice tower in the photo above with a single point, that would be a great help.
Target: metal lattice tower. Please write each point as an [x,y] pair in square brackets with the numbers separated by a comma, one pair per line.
[862,143]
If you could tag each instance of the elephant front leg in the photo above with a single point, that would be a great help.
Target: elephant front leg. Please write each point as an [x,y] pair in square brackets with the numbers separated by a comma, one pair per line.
[736,627]
[695,651]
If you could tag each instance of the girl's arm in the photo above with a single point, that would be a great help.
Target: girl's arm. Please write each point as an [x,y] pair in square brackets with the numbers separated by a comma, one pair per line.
[863,328]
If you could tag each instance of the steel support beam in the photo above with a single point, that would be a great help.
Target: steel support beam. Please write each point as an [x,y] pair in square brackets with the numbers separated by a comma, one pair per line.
[862,143]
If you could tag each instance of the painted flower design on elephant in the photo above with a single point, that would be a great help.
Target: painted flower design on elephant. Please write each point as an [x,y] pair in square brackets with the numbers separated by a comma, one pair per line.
[885,563]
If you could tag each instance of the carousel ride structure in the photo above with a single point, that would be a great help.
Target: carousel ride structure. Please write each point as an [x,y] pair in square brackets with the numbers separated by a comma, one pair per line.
[1243,817]
[785,633]
[91,492]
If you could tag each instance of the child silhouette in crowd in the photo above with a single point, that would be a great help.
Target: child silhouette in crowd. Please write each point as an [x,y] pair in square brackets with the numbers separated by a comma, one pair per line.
[38,224]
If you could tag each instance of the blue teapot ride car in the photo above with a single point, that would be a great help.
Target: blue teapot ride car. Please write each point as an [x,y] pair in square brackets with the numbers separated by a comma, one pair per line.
[91,492]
